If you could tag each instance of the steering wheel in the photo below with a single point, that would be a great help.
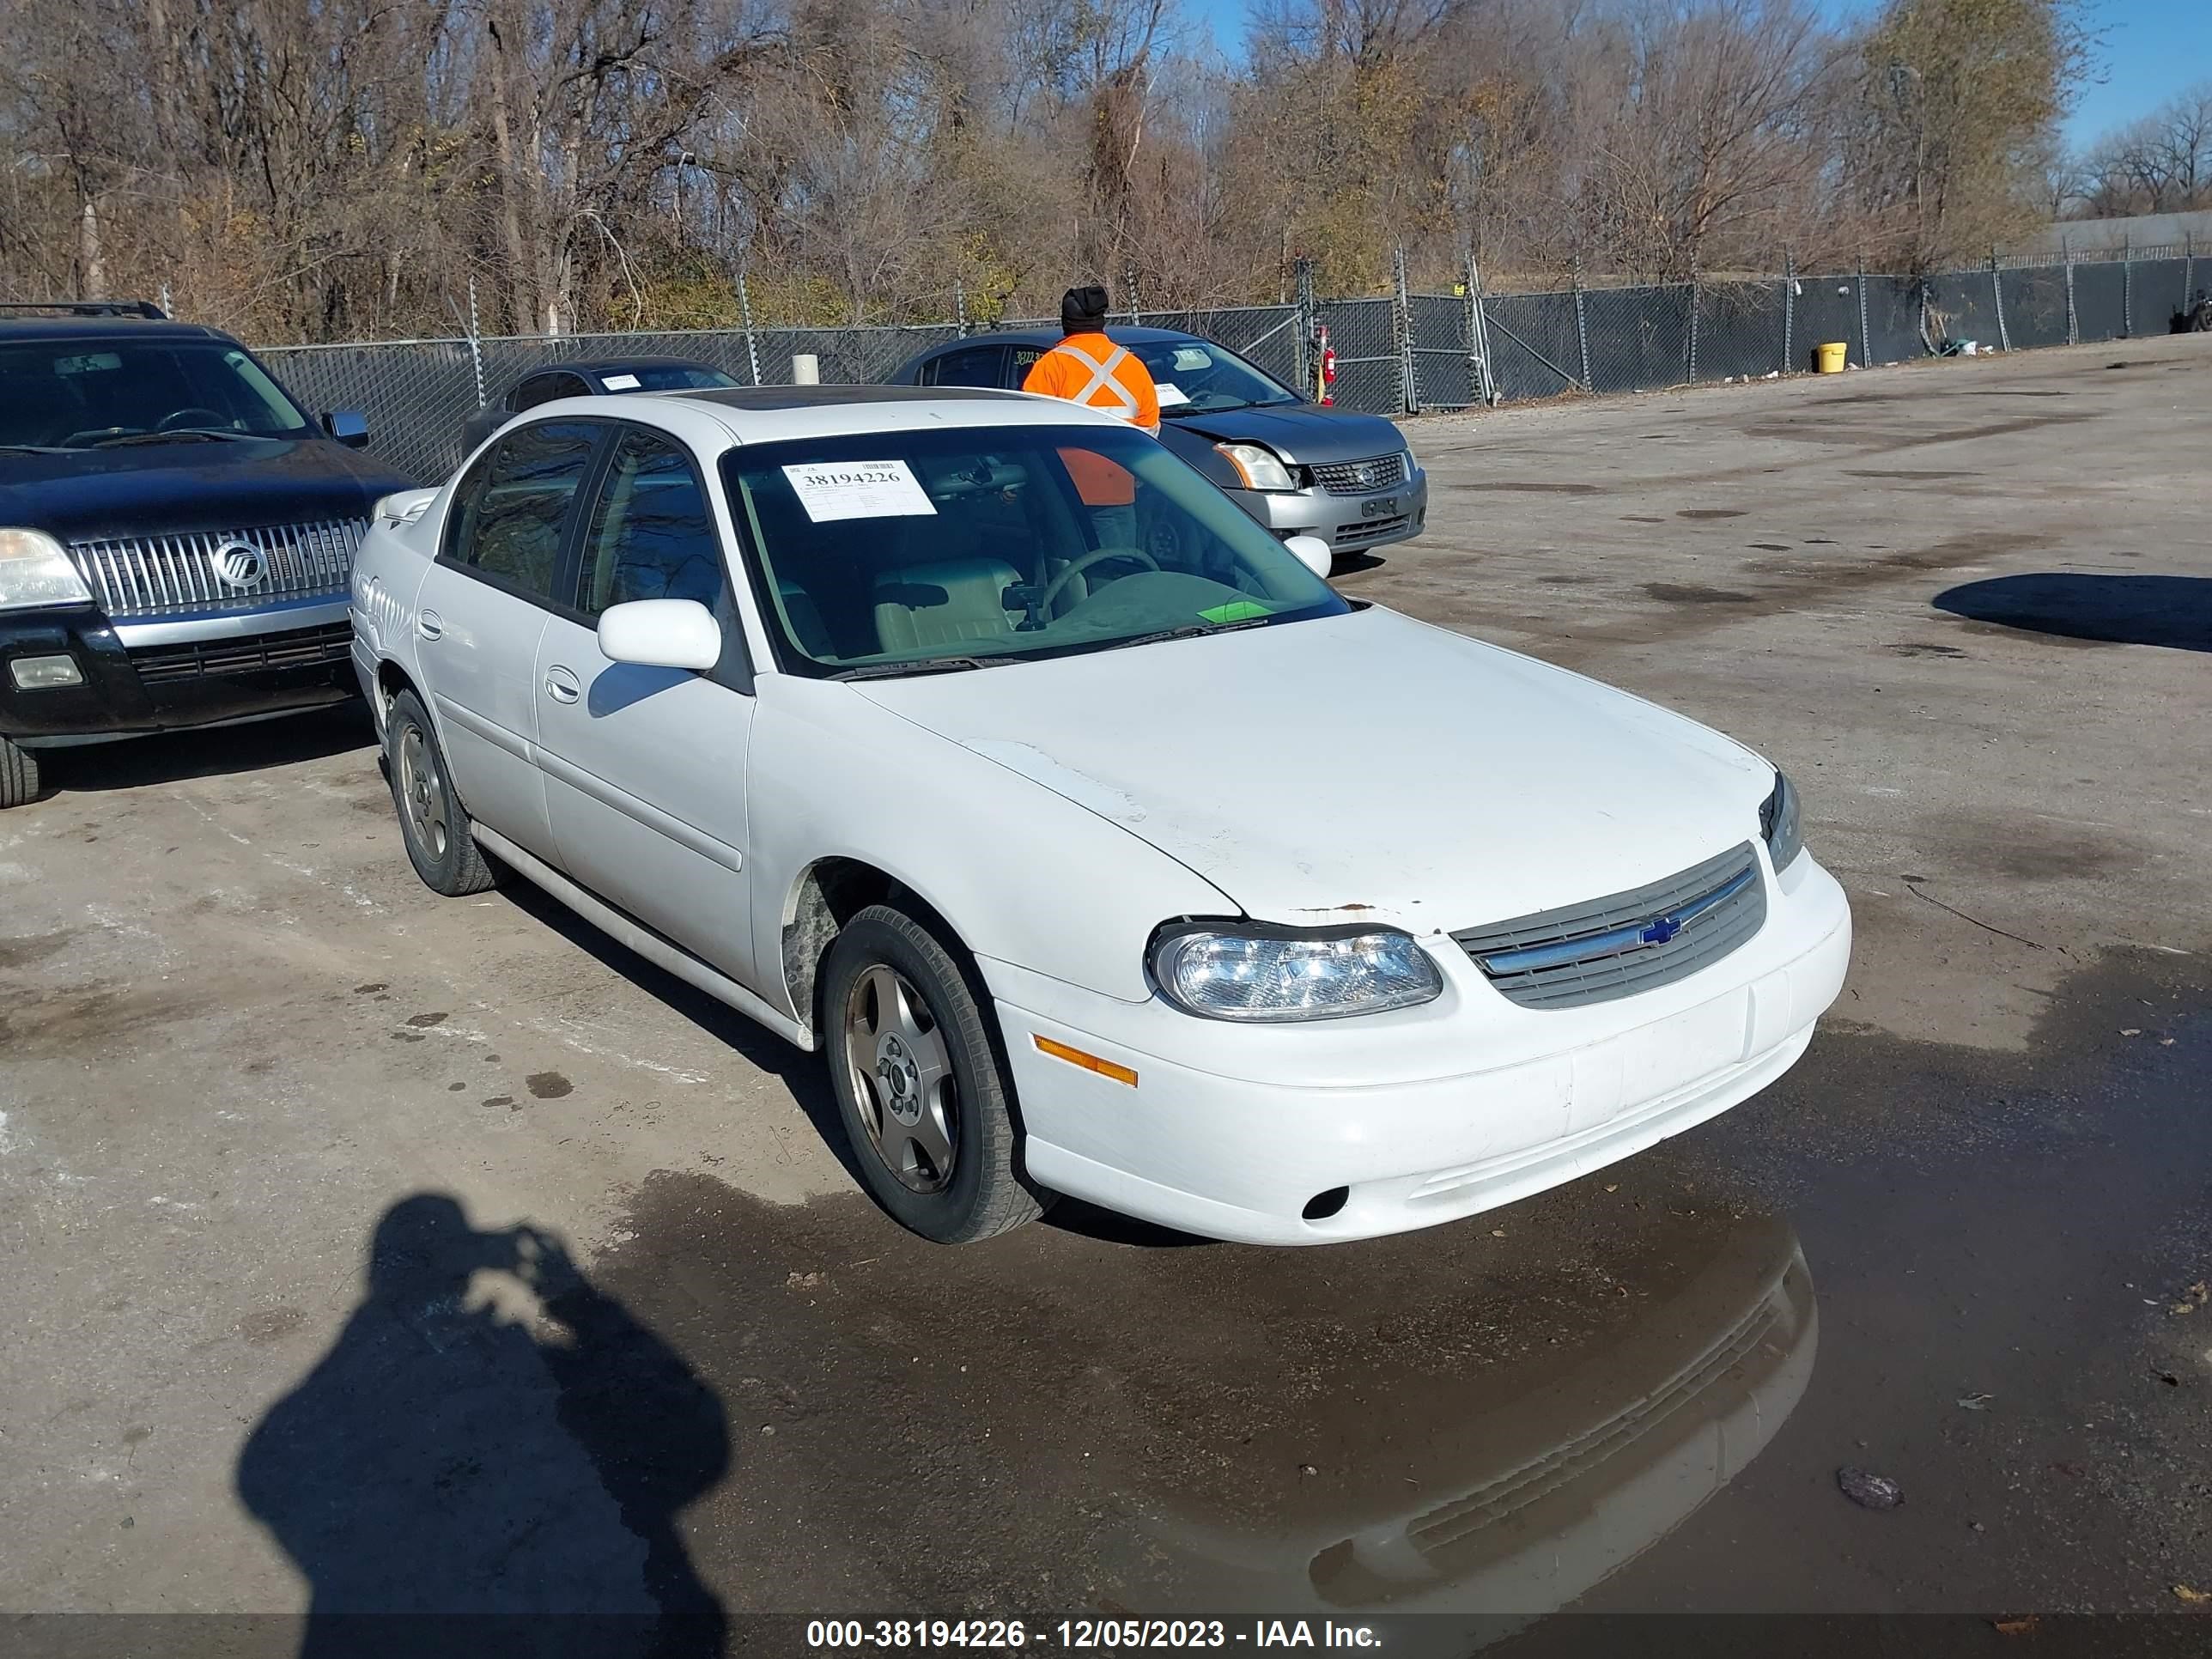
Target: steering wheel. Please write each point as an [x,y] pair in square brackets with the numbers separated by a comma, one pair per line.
[170,422]
[1079,566]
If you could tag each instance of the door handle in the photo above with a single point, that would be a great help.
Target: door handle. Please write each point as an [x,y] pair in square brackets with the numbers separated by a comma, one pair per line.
[428,624]
[561,685]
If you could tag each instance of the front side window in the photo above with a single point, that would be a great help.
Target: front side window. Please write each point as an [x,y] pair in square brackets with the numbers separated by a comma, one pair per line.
[651,535]
[101,394]
[890,552]
[509,513]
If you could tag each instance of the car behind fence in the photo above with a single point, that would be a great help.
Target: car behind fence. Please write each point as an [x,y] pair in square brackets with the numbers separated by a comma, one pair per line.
[1400,353]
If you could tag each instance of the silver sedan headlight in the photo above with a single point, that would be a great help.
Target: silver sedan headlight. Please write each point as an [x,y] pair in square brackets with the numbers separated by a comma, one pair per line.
[1778,822]
[1255,973]
[35,570]
[1258,466]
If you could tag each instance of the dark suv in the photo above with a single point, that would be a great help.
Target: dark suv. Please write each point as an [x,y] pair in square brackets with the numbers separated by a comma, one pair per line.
[175,534]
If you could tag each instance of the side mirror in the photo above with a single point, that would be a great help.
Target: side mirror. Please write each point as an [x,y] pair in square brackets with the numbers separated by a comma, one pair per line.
[349,426]
[1316,555]
[661,634]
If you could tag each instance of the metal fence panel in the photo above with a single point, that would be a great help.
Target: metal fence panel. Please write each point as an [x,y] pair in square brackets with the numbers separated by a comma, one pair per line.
[1443,371]
[2160,294]
[2101,300]
[2035,306]
[1363,335]
[1533,349]
[1961,307]
[1739,330]
[1639,337]
[1893,319]
[1827,311]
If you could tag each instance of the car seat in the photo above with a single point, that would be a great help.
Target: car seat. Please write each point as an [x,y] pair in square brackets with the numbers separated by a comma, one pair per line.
[923,607]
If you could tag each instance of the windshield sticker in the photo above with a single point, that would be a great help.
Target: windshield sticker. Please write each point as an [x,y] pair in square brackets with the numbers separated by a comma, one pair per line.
[1193,358]
[1170,393]
[1235,611]
[619,382]
[830,491]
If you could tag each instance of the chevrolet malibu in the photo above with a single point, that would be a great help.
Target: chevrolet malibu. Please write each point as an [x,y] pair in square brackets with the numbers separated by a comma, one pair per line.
[885,716]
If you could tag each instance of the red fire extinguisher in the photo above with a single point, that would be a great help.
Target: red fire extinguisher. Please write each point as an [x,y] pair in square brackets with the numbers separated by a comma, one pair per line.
[1325,359]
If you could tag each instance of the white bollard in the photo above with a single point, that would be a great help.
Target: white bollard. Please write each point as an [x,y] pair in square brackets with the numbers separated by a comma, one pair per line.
[806,369]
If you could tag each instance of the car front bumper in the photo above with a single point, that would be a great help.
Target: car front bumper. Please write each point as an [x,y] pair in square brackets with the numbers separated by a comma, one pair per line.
[143,678]
[1425,1115]
[1349,524]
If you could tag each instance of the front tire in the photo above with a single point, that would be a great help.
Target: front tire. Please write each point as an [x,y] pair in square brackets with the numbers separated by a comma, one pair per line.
[19,775]
[923,1094]
[435,830]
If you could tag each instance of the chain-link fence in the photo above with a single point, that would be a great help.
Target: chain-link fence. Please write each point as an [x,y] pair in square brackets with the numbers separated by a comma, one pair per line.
[1400,354]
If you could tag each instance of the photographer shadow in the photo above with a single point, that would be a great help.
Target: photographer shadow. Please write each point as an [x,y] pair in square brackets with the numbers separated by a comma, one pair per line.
[489,1460]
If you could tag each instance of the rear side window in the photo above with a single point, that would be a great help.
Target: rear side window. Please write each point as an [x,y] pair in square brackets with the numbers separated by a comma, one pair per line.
[511,510]
[971,366]
[651,535]
[543,389]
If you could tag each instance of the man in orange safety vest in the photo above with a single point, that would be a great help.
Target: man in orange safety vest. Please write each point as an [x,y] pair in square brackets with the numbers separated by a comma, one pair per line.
[1087,367]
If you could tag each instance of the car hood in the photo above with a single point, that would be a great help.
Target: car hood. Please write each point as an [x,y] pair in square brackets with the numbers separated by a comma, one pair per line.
[1299,432]
[1361,767]
[179,488]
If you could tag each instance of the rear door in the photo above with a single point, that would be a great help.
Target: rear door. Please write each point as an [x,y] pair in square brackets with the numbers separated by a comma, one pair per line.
[645,768]
[483,606]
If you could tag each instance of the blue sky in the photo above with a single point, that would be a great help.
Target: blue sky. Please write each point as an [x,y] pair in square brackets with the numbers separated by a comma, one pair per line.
[2152,49]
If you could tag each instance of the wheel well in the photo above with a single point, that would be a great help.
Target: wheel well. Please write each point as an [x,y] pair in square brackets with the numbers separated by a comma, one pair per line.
[830,894]
[390,680]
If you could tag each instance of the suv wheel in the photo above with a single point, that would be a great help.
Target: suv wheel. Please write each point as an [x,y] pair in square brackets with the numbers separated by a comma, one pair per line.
[19,775]
[431,821]
[924,1097]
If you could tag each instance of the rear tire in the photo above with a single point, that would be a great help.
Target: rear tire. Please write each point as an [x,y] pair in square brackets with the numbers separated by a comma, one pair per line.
[440,844]
[19,775]
[924,1097]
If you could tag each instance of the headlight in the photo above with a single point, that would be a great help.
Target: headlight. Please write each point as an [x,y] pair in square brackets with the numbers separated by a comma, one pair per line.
[1272,973]
[1778,821]
[1258,466]
[35,570]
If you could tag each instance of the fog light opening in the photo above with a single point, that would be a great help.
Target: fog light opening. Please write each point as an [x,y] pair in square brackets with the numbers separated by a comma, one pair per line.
[45,673]
[1322,1205]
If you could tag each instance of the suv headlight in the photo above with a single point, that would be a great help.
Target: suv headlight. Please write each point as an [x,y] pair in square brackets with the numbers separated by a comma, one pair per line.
[1252,972]
[35,571]
[1258,466]
[1778,821]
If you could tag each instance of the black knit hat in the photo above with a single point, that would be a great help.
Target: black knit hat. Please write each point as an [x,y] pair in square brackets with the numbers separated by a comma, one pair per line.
[1083,310]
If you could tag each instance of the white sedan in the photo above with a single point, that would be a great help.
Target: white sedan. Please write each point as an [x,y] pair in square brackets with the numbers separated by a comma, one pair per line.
[1175,881]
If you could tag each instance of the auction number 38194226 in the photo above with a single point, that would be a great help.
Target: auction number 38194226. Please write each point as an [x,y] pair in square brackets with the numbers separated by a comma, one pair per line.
[1086,1633]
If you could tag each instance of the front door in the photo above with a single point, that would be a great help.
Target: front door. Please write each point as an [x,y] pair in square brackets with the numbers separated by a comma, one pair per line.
[645,768]
[482,608]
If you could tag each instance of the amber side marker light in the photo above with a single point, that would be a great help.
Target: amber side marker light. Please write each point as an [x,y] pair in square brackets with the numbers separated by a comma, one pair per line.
[1088,1062]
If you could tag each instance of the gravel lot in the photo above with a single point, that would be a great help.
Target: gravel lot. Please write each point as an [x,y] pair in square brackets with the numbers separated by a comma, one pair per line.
[1968,604]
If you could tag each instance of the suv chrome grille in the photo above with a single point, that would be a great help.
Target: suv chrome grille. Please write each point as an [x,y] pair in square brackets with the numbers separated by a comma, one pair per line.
[1631,942]
[1361,477]
[135,577]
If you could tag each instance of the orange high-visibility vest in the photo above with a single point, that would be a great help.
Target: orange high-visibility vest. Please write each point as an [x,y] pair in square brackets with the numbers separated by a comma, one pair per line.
[1091,370]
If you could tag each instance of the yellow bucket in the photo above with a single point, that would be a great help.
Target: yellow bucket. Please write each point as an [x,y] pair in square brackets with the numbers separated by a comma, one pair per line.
[1828,359]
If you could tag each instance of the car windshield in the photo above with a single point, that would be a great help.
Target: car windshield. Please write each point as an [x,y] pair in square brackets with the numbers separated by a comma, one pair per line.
[665,377]
[909,552]
[79,394]
[1194,376]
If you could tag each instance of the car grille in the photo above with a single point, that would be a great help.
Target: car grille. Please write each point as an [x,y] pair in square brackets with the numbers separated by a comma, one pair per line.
[204,660]
[140,576]
[1361,477]
[1367,530]
[1632,942]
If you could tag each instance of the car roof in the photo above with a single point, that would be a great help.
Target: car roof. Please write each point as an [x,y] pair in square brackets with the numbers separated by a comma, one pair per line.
[104,328]
[1131,336]
[617,365]
[769,414]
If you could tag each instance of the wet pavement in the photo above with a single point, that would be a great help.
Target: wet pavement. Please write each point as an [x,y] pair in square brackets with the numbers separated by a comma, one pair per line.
[289,1151]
